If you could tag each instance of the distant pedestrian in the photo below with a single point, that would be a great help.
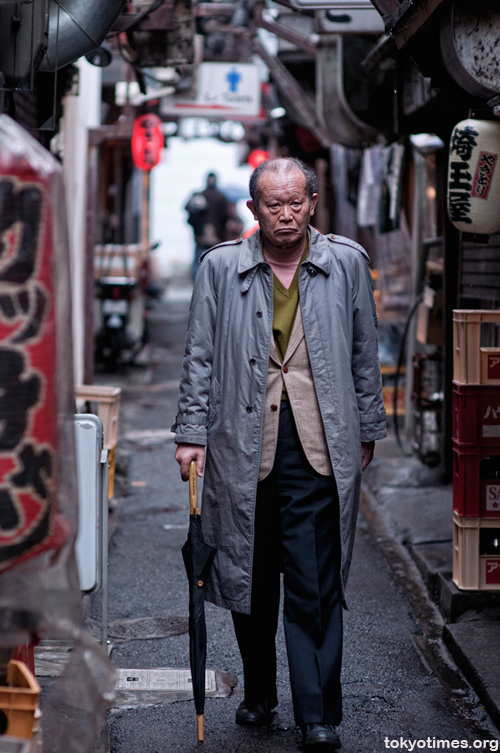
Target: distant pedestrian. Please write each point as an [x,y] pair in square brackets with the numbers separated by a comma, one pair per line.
[280,405]
[234,224]
[208,212]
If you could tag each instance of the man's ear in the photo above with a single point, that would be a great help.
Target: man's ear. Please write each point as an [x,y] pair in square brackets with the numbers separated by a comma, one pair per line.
[314,201]
[252,208]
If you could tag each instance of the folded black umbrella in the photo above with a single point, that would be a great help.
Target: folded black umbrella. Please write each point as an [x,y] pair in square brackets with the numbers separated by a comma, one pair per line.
[198,557]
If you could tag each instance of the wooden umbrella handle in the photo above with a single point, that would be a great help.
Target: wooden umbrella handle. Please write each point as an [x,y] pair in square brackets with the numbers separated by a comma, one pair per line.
[193,489]
[199,724]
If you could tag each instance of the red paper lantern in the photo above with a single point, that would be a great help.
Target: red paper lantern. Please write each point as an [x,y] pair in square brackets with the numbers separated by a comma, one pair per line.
[256,157]
[474,178]
[147,141]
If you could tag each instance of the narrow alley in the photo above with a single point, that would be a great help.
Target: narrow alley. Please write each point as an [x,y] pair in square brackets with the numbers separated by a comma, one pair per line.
[392,699]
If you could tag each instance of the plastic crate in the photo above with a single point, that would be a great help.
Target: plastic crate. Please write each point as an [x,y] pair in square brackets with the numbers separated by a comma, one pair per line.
[472,495]
[473,364]
[117,260]
[473,570]
[476,414]
[18,701]
[105,403]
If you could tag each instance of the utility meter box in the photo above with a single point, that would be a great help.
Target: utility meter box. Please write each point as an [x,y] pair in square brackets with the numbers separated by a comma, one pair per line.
[89,445]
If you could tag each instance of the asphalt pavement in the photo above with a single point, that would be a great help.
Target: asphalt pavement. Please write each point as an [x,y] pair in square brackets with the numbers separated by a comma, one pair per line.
[405,681]
[410,511]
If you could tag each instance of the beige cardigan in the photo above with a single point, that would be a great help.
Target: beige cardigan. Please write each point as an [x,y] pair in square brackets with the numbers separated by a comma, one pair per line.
[295,373]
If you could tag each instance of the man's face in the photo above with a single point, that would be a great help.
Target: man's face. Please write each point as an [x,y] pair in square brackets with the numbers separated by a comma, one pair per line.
[284,209]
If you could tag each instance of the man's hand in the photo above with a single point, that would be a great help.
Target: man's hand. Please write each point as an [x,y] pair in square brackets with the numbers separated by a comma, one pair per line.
[185,453]
[367,450]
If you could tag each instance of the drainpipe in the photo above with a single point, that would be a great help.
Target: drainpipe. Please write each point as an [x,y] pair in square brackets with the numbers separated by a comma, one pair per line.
[76,27]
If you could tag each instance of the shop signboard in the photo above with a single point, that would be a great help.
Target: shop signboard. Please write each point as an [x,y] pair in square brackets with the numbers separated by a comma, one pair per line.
[224,90]
[28,357]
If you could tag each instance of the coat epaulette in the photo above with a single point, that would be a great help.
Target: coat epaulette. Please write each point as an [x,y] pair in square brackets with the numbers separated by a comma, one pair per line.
[220,245]
[347,242]
[226,243]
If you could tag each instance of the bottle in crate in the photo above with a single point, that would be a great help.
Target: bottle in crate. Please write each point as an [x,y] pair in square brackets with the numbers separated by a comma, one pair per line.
[489,541]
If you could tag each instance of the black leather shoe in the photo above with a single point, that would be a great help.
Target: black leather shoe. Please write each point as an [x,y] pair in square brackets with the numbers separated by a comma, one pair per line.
[254,716]
[320,734]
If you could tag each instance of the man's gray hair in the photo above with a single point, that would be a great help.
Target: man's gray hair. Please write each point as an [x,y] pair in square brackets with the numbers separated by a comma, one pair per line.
[283,165]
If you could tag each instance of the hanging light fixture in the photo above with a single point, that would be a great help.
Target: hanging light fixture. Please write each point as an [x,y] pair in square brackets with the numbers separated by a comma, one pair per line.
[473,195]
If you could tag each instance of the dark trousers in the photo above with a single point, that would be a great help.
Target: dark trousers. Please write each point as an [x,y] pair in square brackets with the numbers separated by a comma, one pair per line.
[296,532]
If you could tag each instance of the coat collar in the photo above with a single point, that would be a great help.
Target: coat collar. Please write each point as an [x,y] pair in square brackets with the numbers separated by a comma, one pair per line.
[251,256]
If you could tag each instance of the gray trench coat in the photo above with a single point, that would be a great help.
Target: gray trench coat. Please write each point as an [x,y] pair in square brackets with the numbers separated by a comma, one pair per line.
[223,387]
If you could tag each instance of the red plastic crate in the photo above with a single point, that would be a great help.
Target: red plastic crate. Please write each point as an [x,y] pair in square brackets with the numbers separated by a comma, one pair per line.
[474,496]
[476,415]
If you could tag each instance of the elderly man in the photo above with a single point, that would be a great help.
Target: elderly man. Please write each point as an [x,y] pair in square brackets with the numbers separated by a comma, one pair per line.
[280,405]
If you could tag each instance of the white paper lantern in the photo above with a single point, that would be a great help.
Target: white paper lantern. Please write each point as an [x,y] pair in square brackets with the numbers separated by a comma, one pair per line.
[473,198]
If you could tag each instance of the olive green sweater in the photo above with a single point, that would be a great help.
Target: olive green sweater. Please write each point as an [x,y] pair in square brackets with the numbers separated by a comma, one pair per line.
[285,301]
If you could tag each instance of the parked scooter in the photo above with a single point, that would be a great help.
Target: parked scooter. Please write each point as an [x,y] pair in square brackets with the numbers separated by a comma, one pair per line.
[113,339]
[124,304]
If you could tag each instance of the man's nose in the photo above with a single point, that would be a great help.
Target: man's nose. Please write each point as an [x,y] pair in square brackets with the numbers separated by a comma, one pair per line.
[286,213]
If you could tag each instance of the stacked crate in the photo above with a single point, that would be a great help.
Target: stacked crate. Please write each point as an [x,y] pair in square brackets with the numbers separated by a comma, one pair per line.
[103,401]
[19,705]
[476,453]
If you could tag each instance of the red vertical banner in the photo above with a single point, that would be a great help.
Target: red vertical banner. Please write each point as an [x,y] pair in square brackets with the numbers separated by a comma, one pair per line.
[40,596]
[28,350]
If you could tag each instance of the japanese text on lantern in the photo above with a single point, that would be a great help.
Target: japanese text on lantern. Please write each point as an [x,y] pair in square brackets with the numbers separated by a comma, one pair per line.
[484,174]
[459,181]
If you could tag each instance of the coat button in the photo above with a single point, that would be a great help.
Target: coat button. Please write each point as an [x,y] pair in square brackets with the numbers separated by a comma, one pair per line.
[249,409]
[285,369]
[259,314]
[274,407]
[252,362]
[312,272]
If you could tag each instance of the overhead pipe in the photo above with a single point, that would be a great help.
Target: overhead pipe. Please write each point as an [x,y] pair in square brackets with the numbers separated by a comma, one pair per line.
[76,27]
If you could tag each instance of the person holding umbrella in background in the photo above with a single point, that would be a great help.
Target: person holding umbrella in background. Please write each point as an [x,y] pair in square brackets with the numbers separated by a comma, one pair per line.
[208,211]
[280,404]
